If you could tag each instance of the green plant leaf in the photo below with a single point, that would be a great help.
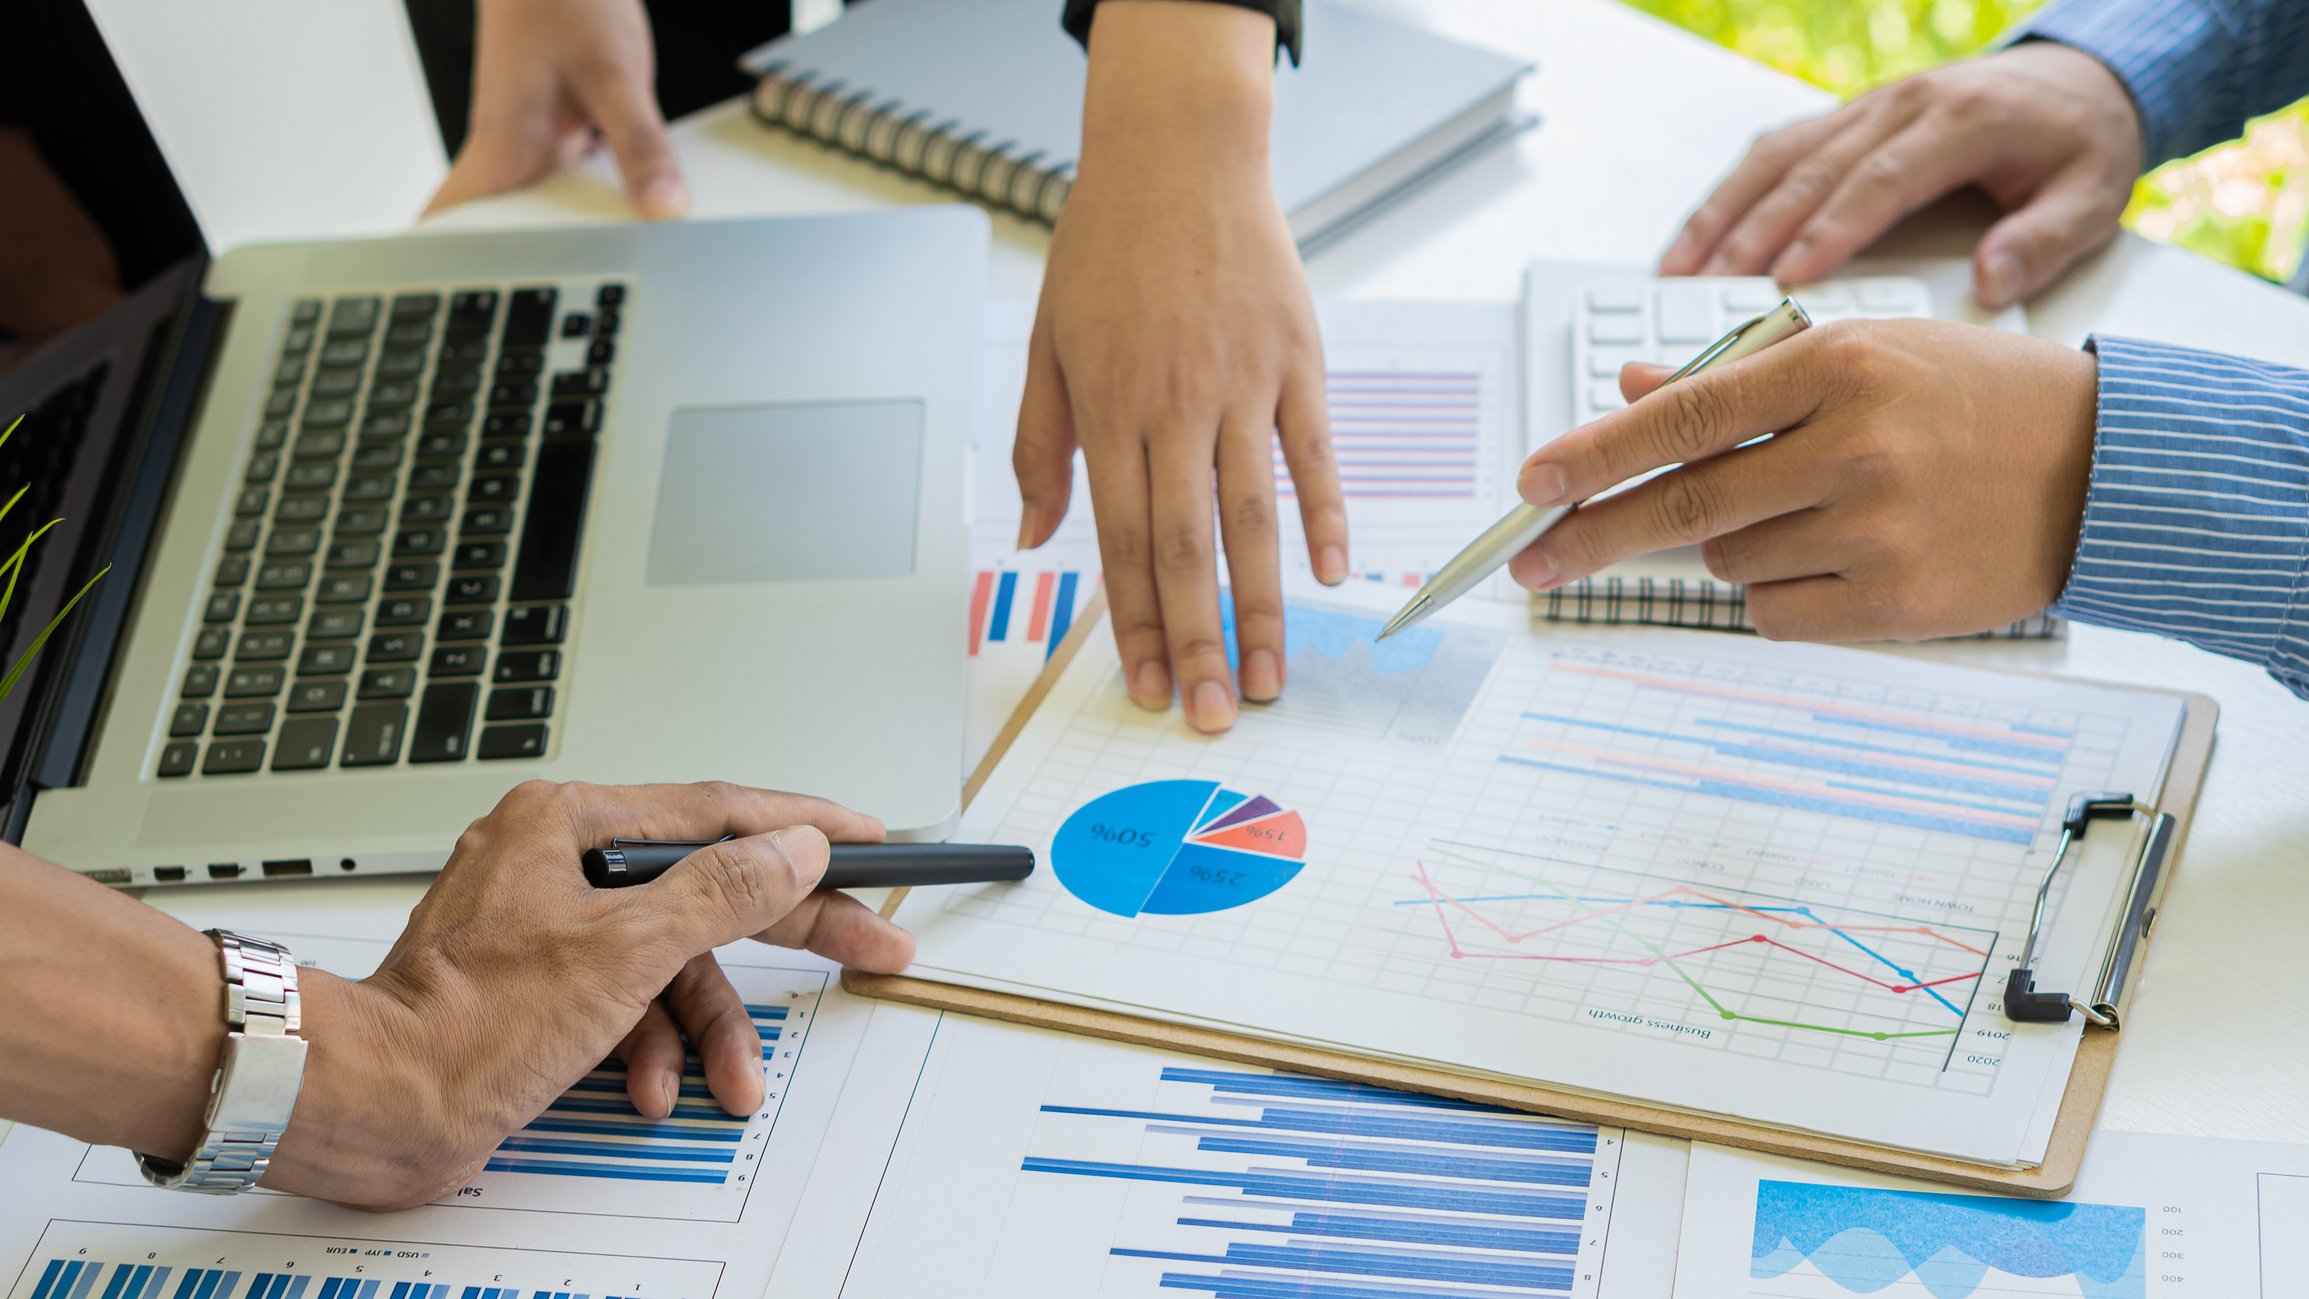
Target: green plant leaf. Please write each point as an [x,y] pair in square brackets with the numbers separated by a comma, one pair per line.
[14,564]
[8,682]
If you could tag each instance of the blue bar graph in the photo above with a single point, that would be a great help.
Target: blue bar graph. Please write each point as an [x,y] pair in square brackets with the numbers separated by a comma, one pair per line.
[63,1278]
[1005,594]
[594,1132]
[1304,1187]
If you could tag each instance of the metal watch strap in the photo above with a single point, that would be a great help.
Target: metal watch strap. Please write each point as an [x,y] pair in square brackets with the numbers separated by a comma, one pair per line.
[255,1085]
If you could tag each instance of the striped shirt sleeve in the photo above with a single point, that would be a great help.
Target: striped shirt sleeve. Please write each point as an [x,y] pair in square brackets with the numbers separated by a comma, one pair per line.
[2196,522]
[2197,69]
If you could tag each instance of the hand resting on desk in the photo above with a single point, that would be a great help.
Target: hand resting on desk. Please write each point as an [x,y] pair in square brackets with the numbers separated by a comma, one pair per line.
[512,980]
[1924,479]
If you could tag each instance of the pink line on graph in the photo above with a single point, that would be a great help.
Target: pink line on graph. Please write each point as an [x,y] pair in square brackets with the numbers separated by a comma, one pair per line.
[1816,706]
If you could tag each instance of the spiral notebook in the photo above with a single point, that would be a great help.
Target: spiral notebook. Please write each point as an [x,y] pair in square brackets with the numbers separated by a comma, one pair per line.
[984,99]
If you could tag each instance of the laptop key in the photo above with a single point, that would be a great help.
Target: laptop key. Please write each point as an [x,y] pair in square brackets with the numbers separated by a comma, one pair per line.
[506,424]
[252,501]
[529,317]
[275,610]
[416,305]
[606,323]
[244,719]
[177,759]
[488,521]
[517,667]
[492,488]
[547,568]
[243,535]
[297,342]
[465,624]
[188,720]
[365,521]
[306,312]
[342,381]
[460,382]
[317,696]
[263,647]
[271,434]
[233,757]
[324,661]
[576,324]
[479,554]
[305,744]
[221,607]
[232,570]
[444,721]
[343,589]
[292,543]
[395,646]
[609,295]
[513,392]
[425,509]
[317,477]
[572,419]
[576,385]
[211,642]
[471,590]
[520,703]
[439,444]
[524,740]
[407,611]
[322,444]
[387,683]
[309,508]
[456,661]
[373,735]
[499,455]
[286,575]
[601,353]
[412,577]
[412,543]
[368,488]
[334,624]
[520,362]
[253,683]
[434,478]
[473,309]
[352,316]
[464,351]
[409,333]
[353,554]
[199,681]
[262,469]
[335,412]
[538,624]
[401,365]
[289,373]
[393,395]
[385,455]
[384,426]
[282,404]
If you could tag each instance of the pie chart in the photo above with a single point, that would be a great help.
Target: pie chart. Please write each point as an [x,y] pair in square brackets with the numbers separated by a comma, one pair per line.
[1177,848]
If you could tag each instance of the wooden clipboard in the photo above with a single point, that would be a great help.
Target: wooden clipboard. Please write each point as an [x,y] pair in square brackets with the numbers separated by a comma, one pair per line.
[2064,1155]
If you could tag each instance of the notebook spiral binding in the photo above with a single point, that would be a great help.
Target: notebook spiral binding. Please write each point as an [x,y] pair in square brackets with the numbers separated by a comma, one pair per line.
[1712,606]
[883,130]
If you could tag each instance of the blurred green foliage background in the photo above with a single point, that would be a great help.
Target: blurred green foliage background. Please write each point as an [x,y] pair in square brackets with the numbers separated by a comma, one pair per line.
[2245,203]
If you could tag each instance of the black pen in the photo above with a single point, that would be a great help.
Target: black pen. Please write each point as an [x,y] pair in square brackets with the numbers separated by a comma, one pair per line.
[627,862]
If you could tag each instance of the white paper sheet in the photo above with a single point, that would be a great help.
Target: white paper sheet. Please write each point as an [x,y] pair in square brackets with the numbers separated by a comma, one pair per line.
[1773,881]
[2152,1217]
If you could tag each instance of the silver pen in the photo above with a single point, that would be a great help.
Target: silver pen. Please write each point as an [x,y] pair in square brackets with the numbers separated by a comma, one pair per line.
[1525,524]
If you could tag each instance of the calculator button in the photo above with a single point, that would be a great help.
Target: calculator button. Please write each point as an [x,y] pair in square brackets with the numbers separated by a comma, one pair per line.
[305,744]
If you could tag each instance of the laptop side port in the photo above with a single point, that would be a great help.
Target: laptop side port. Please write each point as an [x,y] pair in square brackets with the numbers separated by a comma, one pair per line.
[115,875]
[168,874]
[293,866]
[224,870]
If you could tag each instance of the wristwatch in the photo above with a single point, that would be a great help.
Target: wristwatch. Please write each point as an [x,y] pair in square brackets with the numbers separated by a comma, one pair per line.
[255,1085]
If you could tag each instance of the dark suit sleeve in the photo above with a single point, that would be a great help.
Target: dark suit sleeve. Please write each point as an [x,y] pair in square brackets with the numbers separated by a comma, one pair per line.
[1078,14]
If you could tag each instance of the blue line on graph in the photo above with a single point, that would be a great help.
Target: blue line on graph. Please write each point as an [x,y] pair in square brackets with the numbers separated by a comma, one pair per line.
[1348,1226]
[1428,1161]
[998,627]
[1366,1124]
[1458,1268]
[2032,797]
[1229,1082]
[614,1150]
[1887,962]
[1802,803]
[1969,743]
[640,1127]
[1061,614]
[615,1086]
[1341,1189]
[617,1172]
[1861,745]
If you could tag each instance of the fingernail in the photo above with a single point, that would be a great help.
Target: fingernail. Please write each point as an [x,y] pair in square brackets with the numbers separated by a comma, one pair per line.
[668,1091]
[663,197]
[1717,265]
[805,847]
[1542,484]
[1262,675]
[1331,565]
[1211,708]
[1026,528]
[1537,571]
[1150,686]
[1999,278]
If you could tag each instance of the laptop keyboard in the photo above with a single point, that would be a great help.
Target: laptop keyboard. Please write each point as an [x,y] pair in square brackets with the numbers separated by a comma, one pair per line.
[396,576]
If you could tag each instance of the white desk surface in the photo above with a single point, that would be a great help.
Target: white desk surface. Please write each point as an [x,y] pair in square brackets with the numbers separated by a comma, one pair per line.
[1637,119]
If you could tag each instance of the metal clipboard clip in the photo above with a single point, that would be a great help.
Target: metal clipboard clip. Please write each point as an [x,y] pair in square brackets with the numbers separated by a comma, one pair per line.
[2120,960]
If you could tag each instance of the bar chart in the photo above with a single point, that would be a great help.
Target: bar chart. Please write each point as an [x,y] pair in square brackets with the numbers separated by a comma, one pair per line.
[102,1260]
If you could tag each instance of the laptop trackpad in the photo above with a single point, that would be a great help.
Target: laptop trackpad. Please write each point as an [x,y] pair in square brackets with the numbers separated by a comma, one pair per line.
[788,493]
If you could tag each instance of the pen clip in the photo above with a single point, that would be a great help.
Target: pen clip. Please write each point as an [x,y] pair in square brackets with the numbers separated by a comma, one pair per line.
[666,843]
[1708,356]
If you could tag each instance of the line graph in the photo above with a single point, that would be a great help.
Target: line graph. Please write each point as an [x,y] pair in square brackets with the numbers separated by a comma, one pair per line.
[1682,950]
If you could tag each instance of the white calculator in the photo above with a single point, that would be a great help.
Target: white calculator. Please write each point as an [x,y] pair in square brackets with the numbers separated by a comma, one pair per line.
[1668,321]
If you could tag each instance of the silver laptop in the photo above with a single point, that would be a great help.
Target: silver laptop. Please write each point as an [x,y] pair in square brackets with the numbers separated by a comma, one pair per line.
[409,521]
